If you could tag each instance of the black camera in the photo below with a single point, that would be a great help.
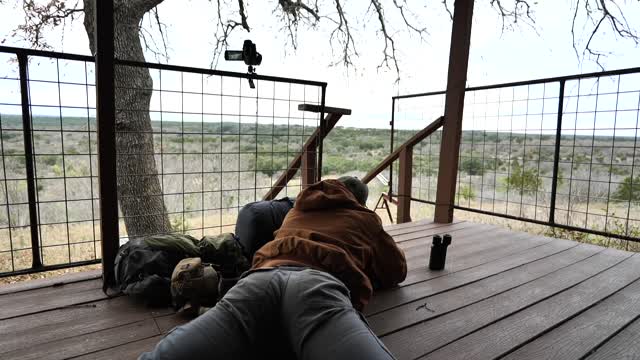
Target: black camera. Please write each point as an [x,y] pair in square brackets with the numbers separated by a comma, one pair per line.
[249,54]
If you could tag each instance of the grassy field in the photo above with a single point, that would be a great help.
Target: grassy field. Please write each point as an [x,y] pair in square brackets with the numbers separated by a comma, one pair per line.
[229,164]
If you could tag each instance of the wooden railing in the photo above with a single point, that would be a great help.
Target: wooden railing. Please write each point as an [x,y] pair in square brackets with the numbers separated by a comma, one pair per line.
[404,153]
[307,160]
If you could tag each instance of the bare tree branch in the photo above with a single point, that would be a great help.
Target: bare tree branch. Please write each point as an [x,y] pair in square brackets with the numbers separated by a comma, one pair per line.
[39,17]
[573,25]
[599,13]
[401,7]
[159,53]
[342,34]
[150,44]
[232,15]
[446,7]
[517,10]
[298,9]
[295,12]
[224,29]
[243,15]
[388,40]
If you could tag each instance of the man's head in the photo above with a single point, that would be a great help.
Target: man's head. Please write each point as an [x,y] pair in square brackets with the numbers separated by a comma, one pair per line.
[357,188]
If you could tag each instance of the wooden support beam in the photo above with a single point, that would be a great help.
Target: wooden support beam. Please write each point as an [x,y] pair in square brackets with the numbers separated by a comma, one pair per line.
[453,110]
[405,176]
[309,166]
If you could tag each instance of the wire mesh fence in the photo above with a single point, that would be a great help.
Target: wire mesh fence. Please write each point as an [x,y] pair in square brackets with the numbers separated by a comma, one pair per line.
[48,143]
[217,145]
[561,152]
[193,146]
[14,217]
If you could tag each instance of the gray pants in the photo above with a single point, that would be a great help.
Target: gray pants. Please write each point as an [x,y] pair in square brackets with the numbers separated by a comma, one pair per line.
[304,311]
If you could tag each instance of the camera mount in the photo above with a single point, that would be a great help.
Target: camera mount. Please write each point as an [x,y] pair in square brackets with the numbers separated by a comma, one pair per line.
[249,55]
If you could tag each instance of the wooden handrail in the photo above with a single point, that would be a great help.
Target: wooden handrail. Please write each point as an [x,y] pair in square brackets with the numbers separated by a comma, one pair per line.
[309,148]
[419,136]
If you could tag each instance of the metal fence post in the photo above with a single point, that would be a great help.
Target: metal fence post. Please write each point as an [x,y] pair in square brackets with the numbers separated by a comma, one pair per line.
[28,151]
[105,104]
[392,123]
[556,155]
[323,130]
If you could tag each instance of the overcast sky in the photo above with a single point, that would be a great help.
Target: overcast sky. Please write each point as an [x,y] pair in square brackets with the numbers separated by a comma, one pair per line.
[541,50]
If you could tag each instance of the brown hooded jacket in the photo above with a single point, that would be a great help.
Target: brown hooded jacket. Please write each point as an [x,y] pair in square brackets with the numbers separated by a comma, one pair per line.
[328,230]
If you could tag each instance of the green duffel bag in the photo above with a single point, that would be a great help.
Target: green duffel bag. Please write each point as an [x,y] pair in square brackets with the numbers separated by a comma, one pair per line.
[183,244]
[225,252]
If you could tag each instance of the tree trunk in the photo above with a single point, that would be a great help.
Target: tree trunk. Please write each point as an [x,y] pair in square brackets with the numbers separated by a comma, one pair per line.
[139,190]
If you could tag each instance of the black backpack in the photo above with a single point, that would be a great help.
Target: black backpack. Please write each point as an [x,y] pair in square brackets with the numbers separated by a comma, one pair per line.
[144,272]
[258,220]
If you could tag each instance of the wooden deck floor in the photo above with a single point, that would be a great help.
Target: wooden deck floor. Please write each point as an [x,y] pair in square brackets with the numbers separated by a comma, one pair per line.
[503,294]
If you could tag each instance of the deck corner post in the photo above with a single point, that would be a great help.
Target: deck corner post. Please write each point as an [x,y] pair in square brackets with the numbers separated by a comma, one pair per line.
[405,175]
[454,106]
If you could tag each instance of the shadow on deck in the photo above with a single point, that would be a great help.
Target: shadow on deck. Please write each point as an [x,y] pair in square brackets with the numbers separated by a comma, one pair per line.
[503,294]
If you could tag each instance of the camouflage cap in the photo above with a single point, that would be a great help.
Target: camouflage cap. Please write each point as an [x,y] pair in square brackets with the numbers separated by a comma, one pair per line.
[194,282]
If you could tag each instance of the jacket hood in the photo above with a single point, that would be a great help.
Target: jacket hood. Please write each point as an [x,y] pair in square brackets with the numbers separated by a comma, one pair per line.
[326,194]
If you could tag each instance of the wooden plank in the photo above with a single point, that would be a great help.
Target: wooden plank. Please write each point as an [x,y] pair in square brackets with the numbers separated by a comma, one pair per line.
[168,322]
[500,337]
[411,224]
[431,232]
[126,351]
[51,281]
[453,110]
[32,301]
[473,256]
[427,336]
[468,256]
[30,330]
[405,176]
[399,296]
[399,229]
[624,345]
[327,109]
[86,343]
[462,235]
[467,252]
[463,240]
[578,336]
[467,236]
[437,305]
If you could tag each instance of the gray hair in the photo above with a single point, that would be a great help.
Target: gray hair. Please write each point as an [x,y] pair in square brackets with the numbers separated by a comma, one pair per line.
[357,188]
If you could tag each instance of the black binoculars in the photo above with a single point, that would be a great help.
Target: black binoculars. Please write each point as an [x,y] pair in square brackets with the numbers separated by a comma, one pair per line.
[439,251]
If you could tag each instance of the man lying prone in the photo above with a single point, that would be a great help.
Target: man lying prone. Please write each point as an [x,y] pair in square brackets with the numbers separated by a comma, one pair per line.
[305,289]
